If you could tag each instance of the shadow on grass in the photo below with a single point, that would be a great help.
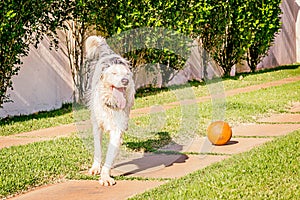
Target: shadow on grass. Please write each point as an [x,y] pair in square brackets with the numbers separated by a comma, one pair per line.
[152,158]
[66,108]
[150,163]
[149,145]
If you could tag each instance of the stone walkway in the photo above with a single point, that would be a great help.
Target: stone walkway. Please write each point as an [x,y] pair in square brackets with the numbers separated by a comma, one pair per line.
[155,167]
[67,130]
[38,135]
[245,137]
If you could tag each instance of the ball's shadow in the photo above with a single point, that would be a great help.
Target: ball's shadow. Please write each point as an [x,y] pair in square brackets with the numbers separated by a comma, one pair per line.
[231,142]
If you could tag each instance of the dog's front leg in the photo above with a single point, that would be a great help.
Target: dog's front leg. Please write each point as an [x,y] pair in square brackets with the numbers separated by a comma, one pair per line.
[97,132]
[113,149]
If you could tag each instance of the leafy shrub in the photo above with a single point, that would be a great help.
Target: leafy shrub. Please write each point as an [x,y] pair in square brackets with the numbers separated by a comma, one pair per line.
[265,24]
[230,31]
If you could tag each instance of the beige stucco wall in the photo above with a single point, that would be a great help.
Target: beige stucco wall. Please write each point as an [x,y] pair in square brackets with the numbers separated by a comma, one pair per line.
[44,82]
[298,31]
[284,50]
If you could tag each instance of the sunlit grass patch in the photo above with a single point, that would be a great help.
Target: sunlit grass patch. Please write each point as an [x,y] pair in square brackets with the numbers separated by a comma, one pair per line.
[23,167]
[271,171]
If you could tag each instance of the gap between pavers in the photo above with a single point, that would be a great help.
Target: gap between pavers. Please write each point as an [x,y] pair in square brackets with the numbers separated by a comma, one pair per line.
[89,190]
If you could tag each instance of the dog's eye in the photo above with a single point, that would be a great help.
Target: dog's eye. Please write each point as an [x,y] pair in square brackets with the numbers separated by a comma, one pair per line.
[114,73]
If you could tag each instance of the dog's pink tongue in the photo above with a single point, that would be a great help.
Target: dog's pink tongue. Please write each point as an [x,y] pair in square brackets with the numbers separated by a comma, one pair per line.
[119,93]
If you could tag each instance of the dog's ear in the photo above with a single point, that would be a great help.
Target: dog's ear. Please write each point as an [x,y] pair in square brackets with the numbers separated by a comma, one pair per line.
[91,46]
[103,69]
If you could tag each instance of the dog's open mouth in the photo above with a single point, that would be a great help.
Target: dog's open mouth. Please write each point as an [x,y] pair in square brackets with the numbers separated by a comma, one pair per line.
[120,95]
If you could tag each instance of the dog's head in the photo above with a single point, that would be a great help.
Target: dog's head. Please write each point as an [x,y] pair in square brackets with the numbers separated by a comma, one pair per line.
[118,79]
[117,75]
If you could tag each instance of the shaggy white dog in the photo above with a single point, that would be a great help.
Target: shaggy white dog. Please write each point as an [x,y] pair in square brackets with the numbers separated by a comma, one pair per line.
[111,98]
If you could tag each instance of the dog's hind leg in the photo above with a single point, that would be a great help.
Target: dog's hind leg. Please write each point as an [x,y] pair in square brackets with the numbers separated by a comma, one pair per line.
[97,132]
[113,149]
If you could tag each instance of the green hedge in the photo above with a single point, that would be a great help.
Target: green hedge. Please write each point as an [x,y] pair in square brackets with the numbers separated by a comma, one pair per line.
[228,30]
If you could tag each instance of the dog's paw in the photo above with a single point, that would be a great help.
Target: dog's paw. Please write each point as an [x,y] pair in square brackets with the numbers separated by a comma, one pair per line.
[107,181]
[95,169]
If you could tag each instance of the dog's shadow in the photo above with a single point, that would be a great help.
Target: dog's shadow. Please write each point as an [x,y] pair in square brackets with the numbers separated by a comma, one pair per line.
[149,162]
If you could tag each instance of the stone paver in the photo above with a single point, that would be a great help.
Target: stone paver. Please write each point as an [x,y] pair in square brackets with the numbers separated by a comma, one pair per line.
[234,146]
[89,190]
[239,145]
[58,131]
[181,167]
[37,135]
[10,141]
[264,129]
[146,164]
[282,118]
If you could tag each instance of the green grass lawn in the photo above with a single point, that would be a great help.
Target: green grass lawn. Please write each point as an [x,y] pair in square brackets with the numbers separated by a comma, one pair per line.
[271,171]
[18,124]
[24,167]
[145,98]
[157,96]
[277,162]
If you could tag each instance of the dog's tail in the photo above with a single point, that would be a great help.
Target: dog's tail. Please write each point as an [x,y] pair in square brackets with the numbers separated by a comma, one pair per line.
[92,44]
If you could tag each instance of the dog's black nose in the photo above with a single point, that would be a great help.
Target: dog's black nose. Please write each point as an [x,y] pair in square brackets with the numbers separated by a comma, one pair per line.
[125,81]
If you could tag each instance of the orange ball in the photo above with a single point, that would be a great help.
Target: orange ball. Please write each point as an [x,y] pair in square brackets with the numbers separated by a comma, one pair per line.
[219,132]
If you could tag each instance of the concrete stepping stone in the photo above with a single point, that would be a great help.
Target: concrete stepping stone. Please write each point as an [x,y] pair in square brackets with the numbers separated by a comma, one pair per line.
[63,130]
[239,145]
[264,129]
[146,163]
[91,190]
[12,141]
[234,146]
[282,118]
[37,135]
[173,166]
[182,166]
